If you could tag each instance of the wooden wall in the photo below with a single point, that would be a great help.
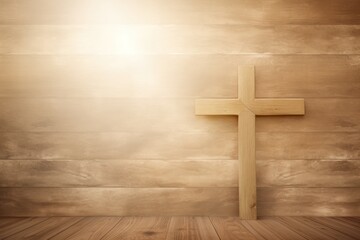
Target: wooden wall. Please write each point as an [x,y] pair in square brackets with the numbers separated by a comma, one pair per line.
[97,106]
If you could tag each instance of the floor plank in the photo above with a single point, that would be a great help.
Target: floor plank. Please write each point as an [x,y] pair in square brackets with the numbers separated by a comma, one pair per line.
[22,225]
[351,221]
[178,228]
[8,221]
[182,228]
[45,229]
[259,230]
[58,229]
[323,229]
[97,229]
[144,228]
[231,228]
[339,226]
[303,229]
[73,229]
[282,230]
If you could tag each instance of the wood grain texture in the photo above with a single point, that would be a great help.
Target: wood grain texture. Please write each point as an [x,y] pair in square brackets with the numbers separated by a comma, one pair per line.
[346,229]
[282,106]
[219,107]
[307,231]
[247,166]
[20,226]
[4,222]
[179,39]
[190,173]
[247,106]
[73,229]
[308,145]
[348,220]
[259,230]
[308,201]
[323,229]
[197,228]
[183,201]
[45,229]
[339,115]
[177,146]
[119,145]
[81,95]
[119,173]
[268,106]
[283,231]
[50,233]
[308,173]
[118,201]
[201,228]
[107,114]
[156,76]
[231,228]
[129,228]
[180,12]
[96,229]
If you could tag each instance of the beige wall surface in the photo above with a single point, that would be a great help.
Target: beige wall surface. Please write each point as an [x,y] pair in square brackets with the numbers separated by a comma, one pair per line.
[97,106]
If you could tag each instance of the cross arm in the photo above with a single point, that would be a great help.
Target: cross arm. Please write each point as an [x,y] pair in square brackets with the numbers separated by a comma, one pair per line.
[218,107]
[290,106]
[265,106]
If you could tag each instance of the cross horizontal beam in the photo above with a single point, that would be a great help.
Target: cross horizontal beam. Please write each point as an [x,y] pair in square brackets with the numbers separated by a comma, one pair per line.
[268,106]
[283,106]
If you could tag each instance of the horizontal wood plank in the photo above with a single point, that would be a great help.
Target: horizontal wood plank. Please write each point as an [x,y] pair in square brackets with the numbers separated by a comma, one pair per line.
[179,39]
[308,201]
[177,76]
[118,201]
[307,146]
[159,173]
[107,114]
[179,12]
[308,173]
[118,173]
[176,146]
[119,145]
[170,201]
[154,114]
[339,115]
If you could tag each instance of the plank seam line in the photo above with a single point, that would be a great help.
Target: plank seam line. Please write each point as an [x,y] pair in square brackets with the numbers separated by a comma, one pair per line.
[28,227]
[112,228]
[67,227]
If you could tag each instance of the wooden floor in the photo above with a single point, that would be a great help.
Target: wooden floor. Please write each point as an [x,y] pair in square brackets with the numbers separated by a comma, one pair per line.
[158,228]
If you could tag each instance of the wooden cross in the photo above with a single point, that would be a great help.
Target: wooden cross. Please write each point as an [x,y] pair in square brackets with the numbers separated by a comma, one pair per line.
[246,107]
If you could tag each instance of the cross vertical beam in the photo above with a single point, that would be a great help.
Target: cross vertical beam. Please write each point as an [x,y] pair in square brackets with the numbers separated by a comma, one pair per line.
[246,107]
[247,166]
